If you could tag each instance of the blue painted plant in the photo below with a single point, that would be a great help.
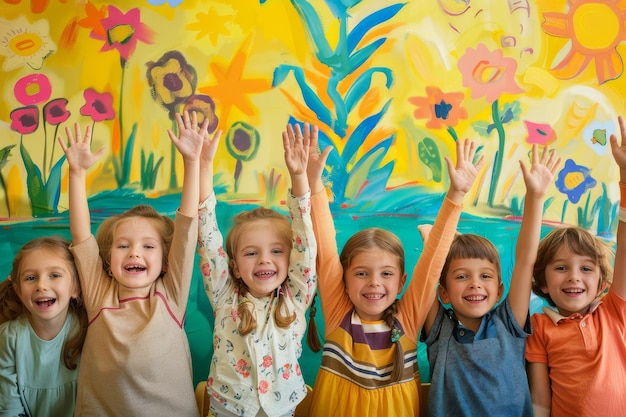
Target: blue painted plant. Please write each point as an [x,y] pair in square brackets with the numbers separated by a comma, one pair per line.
[353,172]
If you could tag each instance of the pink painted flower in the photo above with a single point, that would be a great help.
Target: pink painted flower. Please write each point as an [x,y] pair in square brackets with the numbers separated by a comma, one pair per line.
[25,120]
[206,269]
[98,106]
[263,387]
[55,111]
[267,361]
[32,89]
[298,370]
[209,382]
[488,73]
[123,31]
[539,133]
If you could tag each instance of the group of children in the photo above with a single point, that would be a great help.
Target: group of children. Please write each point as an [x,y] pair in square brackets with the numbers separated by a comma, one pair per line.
[115,302]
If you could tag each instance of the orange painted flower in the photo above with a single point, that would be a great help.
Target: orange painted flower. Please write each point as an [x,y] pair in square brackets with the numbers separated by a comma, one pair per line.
[441,109]
[595,29]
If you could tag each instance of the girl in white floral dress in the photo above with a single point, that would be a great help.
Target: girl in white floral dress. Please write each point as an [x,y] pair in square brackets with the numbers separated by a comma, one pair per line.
[260,285]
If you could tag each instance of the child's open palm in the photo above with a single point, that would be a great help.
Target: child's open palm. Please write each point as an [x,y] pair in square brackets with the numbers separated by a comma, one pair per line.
[541,172]
[296,146]
[78,149]
[190,135]
[463,175]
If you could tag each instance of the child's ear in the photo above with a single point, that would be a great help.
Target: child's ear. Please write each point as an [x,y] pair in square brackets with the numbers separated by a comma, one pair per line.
[603,286]
[500,291]
[401,283]
[443,295]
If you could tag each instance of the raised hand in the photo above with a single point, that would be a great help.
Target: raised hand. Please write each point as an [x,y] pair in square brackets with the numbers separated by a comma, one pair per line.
[78,149]
[541,173]
[209,149]
[190,136]
[463,175]
[296,145]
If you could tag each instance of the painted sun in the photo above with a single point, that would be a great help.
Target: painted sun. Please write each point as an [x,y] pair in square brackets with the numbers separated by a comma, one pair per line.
[595,29]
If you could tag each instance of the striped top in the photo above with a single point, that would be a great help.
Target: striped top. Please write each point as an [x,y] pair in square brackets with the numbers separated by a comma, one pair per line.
[358,356]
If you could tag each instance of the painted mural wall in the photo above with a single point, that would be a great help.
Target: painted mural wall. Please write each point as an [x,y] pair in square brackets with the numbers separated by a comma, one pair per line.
[392,85]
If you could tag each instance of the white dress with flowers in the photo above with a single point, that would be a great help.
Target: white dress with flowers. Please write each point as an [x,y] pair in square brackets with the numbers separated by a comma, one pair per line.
[259,370]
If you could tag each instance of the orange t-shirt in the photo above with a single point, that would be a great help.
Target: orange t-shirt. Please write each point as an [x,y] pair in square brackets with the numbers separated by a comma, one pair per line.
[586,357]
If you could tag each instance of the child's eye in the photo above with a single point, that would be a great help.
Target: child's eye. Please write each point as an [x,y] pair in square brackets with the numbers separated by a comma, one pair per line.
[56,275]
[277,251]
[461,276]
[360,274]
[250,253]
[388,274]
[122,246]
[29,278]
[148,247]
[559,268]
[587,269]
[486,276]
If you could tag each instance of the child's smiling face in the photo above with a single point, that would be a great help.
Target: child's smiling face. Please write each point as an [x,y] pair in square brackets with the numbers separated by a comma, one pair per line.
[373,281]
[573,281]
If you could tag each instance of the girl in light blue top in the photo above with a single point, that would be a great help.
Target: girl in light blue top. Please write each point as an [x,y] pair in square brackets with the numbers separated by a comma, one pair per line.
[42,332]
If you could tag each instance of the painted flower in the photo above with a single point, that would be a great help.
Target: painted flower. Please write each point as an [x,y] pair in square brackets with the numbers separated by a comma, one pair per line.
[204,106]
[98,106]
[267,361]
[25,44]
[25,120]
[441,109]
[539,133]
[488,73]
[171,79]
[55,111]
[32,89]
[123,31]
[573,180]
[594,30]
[242,141]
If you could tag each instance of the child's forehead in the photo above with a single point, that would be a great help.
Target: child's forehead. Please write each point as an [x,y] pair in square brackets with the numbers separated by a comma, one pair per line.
[136,228]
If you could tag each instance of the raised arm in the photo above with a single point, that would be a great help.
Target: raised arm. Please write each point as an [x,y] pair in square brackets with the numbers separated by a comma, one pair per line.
[537,179]
[462,177]
[80,159]
[189,144]
[619,270]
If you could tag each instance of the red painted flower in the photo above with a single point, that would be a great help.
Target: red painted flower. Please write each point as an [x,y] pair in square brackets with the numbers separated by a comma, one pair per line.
[55,111]
[267,361]
[25,120]
[98,106]
[32,89]
[123,31]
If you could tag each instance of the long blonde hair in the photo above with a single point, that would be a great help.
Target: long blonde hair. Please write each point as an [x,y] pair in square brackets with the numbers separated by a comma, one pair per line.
[245,307]
[11,306]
